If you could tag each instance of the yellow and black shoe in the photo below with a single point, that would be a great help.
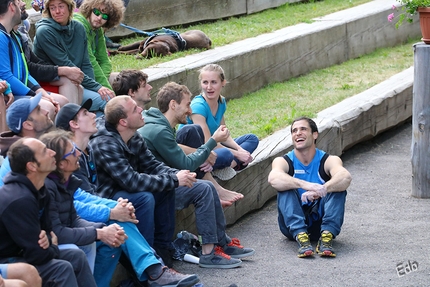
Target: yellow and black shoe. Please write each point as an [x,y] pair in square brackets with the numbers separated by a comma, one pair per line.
[325,245]
[305,247]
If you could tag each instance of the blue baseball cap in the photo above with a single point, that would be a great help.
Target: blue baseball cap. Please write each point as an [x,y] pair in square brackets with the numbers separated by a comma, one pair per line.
[19,111]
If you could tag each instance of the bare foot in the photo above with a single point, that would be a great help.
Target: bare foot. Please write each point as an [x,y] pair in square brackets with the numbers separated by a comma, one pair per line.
[225,203]
[224,195]
[228,195]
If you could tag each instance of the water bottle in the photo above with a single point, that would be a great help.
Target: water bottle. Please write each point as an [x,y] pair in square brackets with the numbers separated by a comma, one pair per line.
[185,235]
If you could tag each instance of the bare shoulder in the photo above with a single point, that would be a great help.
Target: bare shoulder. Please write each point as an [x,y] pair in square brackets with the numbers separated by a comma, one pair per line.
[280,164]
[333,165]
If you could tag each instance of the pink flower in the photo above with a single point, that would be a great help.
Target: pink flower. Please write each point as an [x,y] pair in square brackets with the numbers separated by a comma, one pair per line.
[394,7]
[390,17]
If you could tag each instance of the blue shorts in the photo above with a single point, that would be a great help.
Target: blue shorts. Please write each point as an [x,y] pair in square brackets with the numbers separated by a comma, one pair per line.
[3,270]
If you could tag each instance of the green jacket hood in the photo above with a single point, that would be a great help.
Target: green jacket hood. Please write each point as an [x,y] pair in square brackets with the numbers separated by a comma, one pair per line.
[155,116]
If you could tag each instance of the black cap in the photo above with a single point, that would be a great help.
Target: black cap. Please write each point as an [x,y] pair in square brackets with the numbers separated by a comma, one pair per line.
[68,112]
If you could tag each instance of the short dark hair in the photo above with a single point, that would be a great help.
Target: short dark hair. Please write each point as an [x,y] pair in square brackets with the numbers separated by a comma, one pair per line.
[171,91]
[4,4]
[114,110]
[19,155]
[311,123]
[128,79]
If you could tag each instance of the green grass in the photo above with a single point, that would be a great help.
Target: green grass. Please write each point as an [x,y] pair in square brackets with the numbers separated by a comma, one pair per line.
[223,32]
[275,106]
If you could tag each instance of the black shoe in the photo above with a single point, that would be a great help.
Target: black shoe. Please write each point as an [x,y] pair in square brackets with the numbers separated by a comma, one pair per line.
[112,45]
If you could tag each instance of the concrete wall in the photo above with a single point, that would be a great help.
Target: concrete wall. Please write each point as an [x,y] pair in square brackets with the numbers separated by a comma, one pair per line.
[153,14]
[290,52]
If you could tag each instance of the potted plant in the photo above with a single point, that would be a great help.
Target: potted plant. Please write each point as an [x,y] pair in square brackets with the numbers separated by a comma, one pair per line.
[408,9]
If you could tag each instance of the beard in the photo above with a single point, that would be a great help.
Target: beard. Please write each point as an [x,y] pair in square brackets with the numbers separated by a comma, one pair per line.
[24,14]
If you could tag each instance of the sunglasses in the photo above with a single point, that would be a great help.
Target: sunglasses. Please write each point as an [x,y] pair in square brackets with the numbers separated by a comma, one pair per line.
[70,153]
[97,12]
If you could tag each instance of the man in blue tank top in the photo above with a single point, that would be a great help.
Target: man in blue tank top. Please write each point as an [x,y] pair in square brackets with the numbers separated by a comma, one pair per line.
[311,189]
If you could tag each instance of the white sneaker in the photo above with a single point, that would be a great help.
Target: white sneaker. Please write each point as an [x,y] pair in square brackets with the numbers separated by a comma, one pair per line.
[225,173]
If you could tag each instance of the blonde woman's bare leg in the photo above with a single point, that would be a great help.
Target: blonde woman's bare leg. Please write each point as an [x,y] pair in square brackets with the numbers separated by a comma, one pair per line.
[226,196]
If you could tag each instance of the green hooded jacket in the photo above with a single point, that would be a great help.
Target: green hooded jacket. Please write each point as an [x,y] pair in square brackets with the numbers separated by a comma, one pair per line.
[97,51]
[65,46]
[161,140]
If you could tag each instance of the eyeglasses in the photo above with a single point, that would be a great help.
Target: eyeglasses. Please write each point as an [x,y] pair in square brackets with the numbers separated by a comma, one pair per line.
[97,12]
[70,153]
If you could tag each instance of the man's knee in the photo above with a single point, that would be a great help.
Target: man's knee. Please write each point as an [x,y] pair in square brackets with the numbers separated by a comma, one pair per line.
[76,257]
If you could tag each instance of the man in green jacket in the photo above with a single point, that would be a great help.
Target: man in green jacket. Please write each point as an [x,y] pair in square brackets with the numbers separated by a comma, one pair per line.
[98,16]
[187,149]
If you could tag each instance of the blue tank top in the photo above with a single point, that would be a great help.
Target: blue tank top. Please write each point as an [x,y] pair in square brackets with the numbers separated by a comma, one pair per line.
[313,172]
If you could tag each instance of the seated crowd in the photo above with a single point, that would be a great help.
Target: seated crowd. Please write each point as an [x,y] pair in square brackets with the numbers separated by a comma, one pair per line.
[90,184]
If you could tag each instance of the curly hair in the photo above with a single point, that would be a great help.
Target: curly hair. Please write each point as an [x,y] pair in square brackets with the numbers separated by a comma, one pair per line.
[114,8]
[71,3]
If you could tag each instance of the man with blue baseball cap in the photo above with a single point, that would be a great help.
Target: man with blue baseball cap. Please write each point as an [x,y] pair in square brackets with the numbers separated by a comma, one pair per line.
[25,118]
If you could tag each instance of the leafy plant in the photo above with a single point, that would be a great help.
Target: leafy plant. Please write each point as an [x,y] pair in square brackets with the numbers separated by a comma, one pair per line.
[407,10]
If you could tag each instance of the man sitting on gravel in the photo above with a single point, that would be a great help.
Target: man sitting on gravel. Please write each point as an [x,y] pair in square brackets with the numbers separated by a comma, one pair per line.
[311,189]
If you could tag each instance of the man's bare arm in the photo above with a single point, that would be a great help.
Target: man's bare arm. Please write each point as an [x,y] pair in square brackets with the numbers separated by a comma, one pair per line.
[340,177]
[279,178]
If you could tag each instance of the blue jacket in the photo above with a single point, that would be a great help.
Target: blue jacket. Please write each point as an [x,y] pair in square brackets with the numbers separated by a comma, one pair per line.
[92,207]
[13,66]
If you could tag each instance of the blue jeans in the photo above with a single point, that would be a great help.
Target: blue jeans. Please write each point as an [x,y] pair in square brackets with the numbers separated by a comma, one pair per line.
[156,215]
[89,250]
[210,220]
[101,258]
[98,106]
[248,142]
[292,219]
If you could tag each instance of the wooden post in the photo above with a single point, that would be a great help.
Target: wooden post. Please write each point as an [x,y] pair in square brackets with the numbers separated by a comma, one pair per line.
[421,122]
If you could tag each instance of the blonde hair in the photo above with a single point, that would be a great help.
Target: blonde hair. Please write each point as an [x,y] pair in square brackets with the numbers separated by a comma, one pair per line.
[213,68]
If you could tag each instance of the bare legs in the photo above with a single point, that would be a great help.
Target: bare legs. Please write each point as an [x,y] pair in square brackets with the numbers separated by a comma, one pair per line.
[226,196]
[73,93]
[26,274]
